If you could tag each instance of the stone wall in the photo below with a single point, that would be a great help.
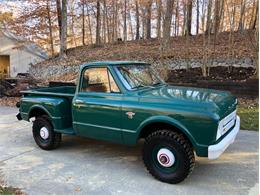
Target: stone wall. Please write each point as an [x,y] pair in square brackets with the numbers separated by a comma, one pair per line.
[55,70]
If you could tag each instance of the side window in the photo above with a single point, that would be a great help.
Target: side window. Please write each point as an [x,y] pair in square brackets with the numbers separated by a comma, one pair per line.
[98,80]
[113,86]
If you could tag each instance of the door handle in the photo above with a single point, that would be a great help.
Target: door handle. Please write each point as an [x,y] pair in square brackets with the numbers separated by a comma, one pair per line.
[79,102]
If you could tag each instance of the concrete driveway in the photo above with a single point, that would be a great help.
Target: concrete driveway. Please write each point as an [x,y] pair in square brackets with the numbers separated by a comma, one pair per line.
[84,166]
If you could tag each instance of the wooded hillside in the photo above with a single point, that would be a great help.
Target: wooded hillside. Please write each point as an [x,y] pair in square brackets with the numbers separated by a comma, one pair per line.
[157,29]
[150,50]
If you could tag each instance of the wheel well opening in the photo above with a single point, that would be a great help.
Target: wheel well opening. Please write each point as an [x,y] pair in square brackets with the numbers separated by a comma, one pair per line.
[150,128]
[36,112]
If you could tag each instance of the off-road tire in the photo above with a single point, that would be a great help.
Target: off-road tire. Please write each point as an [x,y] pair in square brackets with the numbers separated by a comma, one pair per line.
[179,146]
[54,139]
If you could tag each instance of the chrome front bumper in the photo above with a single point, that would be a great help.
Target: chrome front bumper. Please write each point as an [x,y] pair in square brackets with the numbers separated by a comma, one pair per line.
[214,151]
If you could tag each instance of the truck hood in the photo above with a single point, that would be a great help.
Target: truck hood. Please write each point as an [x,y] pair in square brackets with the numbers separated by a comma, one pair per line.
[220,101]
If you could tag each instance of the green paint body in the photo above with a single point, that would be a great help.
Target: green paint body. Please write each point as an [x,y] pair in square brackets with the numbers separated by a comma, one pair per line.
[193,111]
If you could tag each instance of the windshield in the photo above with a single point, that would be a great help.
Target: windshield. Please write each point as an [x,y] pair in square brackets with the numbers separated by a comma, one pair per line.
[137,76]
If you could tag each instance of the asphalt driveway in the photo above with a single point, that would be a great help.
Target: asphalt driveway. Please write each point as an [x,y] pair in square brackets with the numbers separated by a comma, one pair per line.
[84,166]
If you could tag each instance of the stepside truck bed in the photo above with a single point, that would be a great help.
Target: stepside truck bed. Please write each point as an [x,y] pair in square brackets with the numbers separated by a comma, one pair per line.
[54,101]
[64,91]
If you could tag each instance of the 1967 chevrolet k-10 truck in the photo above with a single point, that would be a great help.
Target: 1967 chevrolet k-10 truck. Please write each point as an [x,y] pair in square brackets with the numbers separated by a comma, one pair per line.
[123,102]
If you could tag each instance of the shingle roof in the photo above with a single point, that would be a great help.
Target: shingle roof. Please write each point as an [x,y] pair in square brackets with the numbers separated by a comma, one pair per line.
[28,45]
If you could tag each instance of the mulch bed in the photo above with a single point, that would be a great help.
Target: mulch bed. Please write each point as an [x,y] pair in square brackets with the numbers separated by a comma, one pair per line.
[240,81]
[219,73]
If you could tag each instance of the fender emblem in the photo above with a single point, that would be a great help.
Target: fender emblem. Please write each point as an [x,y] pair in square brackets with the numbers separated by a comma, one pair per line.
[130,114]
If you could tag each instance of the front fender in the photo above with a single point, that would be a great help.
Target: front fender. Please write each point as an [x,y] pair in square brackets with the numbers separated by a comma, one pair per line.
[167,120]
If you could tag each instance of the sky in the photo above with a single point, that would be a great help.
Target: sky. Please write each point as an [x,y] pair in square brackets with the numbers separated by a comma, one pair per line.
[14,5]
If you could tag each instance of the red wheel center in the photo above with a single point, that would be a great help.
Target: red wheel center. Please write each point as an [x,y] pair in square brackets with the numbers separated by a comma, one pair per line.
[164,159]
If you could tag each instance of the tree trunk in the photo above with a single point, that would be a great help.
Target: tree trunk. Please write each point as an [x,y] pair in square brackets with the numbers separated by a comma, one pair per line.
[167,24]
[148,19]
[254,22]
[113,20]
[130,25]
[184,24]
[59,16]
[189,18]
[104,22]
[208,24]
[63,42]
[72,24]
[137,36]
[205,45]
[90,27]
[98,41]
[107,23]
[177,18]
[198,17]
[125,27]
[50,28]
[143,24]
[83,22]
[116,21]
[159,18]
[216,17]
[242,13]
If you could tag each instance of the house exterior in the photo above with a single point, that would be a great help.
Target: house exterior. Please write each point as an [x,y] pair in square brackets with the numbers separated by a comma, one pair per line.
[17,55]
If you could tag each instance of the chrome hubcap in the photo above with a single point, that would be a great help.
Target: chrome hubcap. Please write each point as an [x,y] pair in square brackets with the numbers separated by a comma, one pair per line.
[44,133]
[165,157]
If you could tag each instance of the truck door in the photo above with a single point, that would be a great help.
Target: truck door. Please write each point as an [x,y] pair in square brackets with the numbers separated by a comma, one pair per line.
[97,106]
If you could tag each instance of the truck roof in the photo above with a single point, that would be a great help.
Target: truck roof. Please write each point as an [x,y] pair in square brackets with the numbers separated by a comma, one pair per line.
[114,63]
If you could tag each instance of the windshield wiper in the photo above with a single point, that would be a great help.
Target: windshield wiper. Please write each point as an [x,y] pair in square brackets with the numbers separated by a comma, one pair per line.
[138,86]
[155,84]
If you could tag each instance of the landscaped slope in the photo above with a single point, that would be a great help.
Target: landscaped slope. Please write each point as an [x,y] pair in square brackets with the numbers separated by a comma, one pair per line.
[181,48]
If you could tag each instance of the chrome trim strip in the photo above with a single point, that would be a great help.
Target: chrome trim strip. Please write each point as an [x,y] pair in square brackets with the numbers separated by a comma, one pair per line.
[104,127]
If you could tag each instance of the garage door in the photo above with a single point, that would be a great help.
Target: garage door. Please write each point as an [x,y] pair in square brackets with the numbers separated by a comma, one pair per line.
[4,66]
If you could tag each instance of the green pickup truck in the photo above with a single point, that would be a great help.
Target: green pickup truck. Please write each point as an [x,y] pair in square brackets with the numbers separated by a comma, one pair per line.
[126,101]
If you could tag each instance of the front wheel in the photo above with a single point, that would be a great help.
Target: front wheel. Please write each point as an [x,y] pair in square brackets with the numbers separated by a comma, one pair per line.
[168,156]
[44,135]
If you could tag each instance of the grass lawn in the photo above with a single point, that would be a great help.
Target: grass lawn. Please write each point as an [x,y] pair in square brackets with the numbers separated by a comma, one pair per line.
[10,191]
[249,116]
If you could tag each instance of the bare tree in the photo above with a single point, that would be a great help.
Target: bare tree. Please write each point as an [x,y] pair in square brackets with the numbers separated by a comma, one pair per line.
[242,15]
[125,27]
[104,22]
[204,55]
[89,26]
[58,6]
[50,28]
[208,24]
[98,39]
[148,19]
[253,22]
[137,35]
[130,25]
[72,22]
[189,18]
[177,18]
[217,15]
[167,24]
[198,17]
[63,42]
[159,17]
[83,22]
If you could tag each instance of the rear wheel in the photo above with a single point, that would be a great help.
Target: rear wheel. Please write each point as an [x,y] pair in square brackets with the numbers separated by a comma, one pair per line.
[44,135]
[168,156]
